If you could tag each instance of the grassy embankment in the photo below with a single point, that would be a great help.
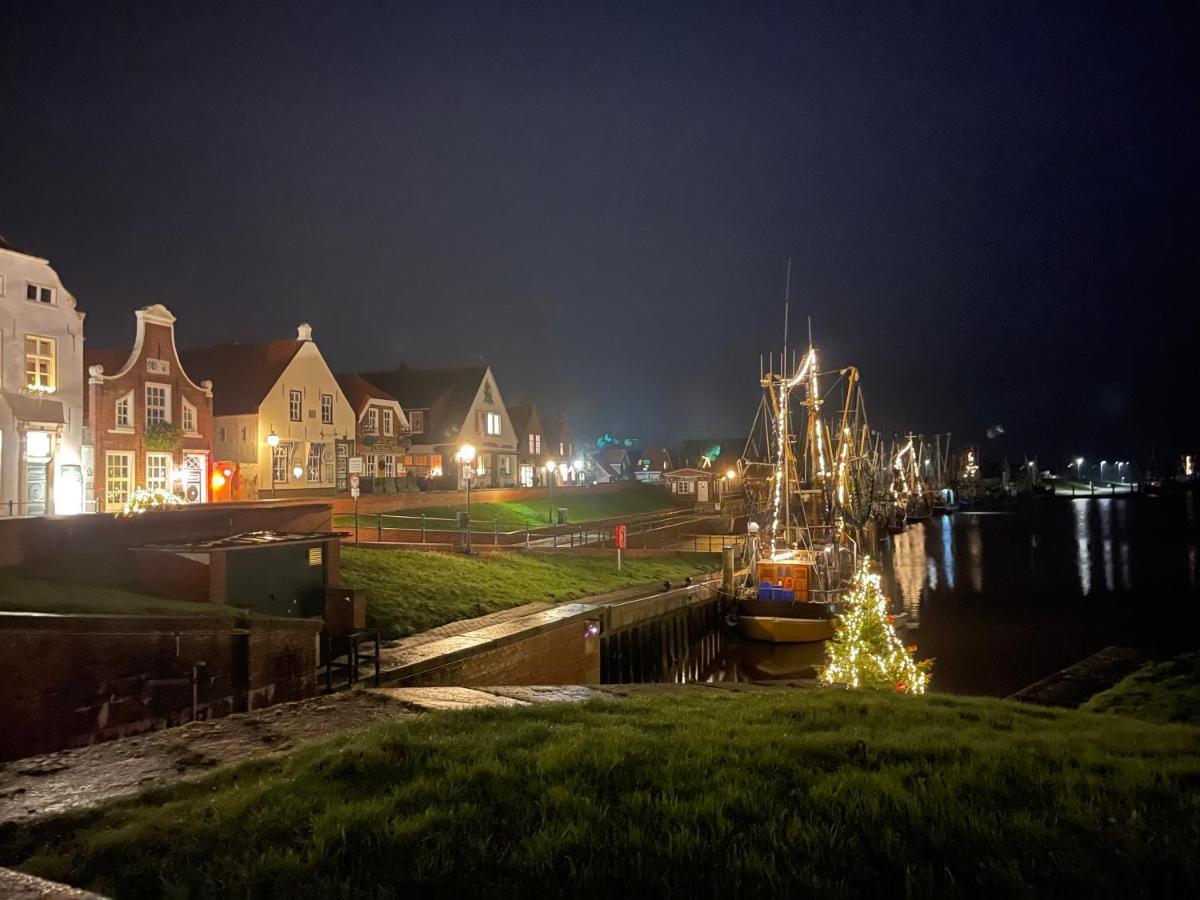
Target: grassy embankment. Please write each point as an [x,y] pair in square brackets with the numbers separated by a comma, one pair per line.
[1165,691]
[410,591]
[701,793]
[581,507]
[44,591]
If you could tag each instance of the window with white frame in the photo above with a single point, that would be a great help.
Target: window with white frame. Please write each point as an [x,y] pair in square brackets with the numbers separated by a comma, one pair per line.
[369,466]
[279,461]
[506,465]
[562,449]
[493,423]
[295,398]
[372,420]
[158,403]
[314,461]
[40,367]
[535,443]
[118,475]
[189,417]
[124,414]
[416,419]
[387,422]
[158,471]
[327,409]
[389,466]
[39,293]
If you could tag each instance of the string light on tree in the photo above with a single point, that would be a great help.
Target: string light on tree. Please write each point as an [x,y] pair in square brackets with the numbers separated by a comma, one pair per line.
[865,650]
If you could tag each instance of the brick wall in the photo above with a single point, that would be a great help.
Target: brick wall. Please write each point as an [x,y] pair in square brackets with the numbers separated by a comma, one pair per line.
[72,681]
[559,656]
[99,545]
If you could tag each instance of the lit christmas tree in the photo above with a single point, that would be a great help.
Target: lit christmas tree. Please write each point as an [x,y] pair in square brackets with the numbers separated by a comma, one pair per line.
[865,650]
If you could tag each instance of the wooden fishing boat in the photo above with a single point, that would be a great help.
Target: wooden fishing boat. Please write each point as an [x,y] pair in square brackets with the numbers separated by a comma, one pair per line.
[781,609]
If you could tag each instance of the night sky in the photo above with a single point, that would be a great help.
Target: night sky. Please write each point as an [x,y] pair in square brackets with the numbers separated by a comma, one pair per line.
[992,212]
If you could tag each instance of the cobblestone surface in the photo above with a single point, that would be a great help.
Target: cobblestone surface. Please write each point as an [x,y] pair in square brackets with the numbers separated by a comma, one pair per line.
[19,886]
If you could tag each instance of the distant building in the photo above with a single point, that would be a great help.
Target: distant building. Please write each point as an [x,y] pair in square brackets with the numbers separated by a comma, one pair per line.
[651,464]
[41,389]
[448,408]
[562,444]
[382,431]
[532,451]
[282,425]
[149,424]
[610,464]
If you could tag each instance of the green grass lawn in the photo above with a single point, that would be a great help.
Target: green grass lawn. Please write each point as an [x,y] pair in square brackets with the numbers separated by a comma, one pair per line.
[42,591]
[1166,691]
[581,507]
[697,794]
[410,591]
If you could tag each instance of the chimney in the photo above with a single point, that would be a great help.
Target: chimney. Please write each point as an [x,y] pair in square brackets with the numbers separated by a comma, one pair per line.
[304,332]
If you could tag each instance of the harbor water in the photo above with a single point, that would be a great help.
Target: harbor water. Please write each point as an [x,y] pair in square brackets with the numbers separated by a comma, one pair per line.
[999,599]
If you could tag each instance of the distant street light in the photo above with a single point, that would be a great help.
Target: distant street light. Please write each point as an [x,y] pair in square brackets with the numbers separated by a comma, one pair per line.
[466,456]
[1103,463]
[550,467]
[272,442]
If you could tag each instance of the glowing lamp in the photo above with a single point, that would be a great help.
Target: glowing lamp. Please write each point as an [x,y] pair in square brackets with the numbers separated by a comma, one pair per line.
[551,466]
[297,472]
[466,454]
[272,439]
[731,474]
[218,481]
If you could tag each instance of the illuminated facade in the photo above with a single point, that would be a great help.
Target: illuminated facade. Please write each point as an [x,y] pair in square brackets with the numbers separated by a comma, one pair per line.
[41,389]
[149,425]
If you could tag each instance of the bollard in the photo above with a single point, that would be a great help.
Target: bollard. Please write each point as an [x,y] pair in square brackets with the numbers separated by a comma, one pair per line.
[379,527]
[727,570]
[422,528]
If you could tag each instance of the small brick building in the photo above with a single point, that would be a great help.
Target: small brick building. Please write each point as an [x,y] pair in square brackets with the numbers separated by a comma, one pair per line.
[148,424]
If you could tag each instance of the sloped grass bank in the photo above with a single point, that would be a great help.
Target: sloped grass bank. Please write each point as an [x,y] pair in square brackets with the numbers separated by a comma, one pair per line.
[1164,691]
[409,591]
[697,793]
[42,590]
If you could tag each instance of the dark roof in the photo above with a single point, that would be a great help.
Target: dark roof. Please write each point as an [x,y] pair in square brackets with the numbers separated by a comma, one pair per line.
[556,427]
[729,450]
[658,457]
[242,374]
[113,358]
[447,394]
[358,391]
[520,415]
[5,245]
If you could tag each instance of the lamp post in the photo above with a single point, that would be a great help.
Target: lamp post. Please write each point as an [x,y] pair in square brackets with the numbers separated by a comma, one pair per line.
[1103,463]
[272,442]
[466,456]
[550,467]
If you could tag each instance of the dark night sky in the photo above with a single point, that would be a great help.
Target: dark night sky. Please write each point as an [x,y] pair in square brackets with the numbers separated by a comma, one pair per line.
[993,213]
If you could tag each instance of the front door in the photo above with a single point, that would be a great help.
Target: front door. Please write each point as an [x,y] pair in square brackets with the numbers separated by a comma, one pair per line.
[35,488]
[702,491]
[195,487]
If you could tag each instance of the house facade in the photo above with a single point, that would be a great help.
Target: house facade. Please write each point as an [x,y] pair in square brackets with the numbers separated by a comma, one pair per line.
[652,464]
[281,423]
[533,450]
[382,432]
[41,389]
[148,424]
[450,408]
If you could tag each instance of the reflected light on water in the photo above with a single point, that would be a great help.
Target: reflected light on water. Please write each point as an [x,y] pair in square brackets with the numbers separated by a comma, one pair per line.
[1083,553]
[908,566]
[948,551]
[1106,543]
[975,554]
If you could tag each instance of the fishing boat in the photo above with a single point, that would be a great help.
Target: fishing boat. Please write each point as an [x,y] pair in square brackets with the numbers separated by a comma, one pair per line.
[813,489]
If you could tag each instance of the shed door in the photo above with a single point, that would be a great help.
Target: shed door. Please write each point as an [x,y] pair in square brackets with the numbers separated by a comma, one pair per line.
[278,581]
[702,490]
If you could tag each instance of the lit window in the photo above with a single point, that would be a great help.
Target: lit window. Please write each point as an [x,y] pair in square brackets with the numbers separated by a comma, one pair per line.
[327,408]
[294,399]
[314,461]
[39,363]
[416,418]
[562,449]
[372,420]
[189,418]
[124,417]
[118,467]
[369,465]
[158,471]
[506,465]
[387,422]
[39,293]
[279,461]
[389,467]
[158,403]
[493,423]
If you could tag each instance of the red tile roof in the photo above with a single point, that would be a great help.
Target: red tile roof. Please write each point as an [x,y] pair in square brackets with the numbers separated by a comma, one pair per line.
[358,391]
[242,374]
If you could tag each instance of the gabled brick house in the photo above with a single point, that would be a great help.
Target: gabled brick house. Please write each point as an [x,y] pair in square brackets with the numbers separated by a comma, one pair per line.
[532,450]
[149,425]
[381,431]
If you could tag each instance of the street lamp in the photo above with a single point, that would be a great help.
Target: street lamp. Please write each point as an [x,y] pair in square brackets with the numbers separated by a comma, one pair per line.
[1079,467]
[272,442]
[550,467]
[1103,463]
[466,456]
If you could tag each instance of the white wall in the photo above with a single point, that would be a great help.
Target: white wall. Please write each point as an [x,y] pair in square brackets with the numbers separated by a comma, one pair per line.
[61,321]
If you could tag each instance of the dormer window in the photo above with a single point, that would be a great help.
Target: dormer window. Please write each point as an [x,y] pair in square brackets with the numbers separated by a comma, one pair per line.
[39,293]
[387,422]
[372,420]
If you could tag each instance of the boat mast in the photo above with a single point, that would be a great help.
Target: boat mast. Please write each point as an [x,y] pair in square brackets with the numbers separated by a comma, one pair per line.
[783,411]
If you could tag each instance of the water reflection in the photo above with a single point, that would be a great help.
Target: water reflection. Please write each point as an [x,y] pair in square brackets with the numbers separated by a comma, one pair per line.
[1083,553]
[908,568]
[948,550]
[975,554]
[1106,544]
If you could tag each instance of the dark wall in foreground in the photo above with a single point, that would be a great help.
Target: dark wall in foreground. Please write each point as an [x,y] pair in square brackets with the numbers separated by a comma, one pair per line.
[68,681]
